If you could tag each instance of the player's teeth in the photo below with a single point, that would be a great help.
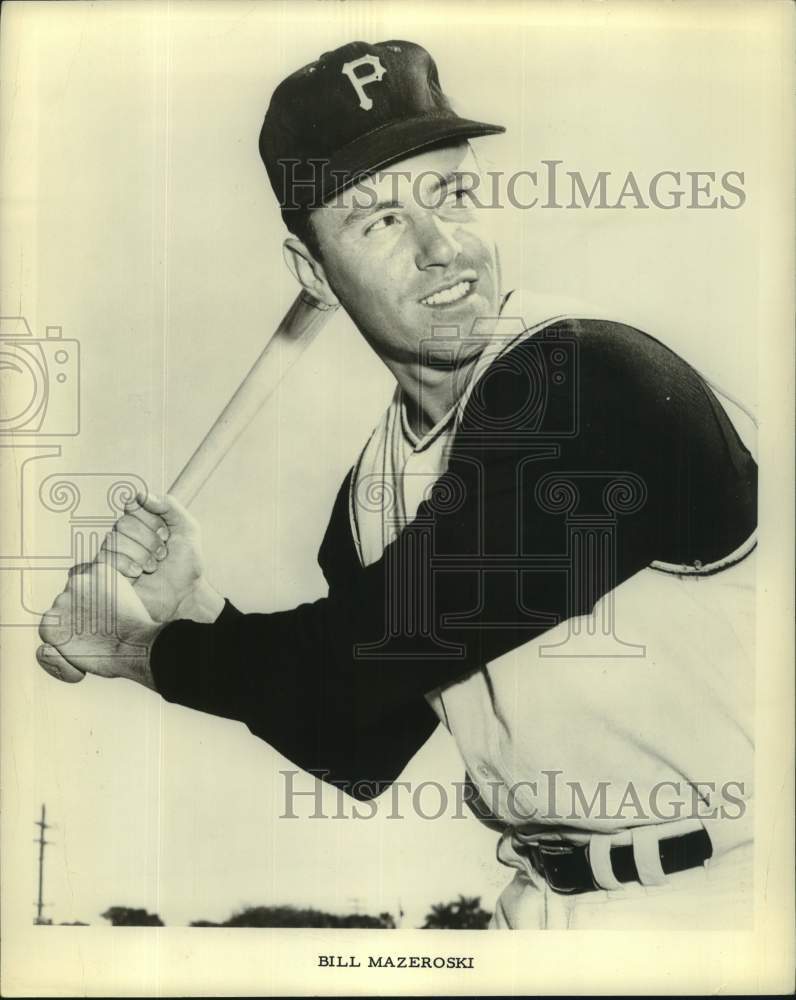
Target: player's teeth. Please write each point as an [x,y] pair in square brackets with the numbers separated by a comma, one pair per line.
[448,295]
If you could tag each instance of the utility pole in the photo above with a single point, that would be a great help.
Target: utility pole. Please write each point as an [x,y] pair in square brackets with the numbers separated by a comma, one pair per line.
[43,825]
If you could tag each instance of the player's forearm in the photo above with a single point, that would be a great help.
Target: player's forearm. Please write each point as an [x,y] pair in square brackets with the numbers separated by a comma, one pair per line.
[275,674]
[486,575]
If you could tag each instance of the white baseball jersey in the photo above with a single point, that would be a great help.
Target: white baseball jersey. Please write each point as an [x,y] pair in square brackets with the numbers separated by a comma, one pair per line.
[634,709]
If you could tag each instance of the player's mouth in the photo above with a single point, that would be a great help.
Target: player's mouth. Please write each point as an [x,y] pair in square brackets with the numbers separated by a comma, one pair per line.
[452,293]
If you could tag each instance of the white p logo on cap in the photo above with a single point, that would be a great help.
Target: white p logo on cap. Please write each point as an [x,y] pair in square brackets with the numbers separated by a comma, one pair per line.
[359,82]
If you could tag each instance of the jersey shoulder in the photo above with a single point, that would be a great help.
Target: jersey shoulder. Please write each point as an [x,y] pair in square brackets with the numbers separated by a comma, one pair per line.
[576,369]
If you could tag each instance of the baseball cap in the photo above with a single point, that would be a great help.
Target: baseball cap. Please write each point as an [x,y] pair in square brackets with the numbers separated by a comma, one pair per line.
[350,113]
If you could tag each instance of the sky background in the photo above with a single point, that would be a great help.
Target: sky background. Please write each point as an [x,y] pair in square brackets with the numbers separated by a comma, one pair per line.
[138,218]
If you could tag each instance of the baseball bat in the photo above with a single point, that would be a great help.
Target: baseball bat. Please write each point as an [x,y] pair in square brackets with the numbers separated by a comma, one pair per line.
[299,327]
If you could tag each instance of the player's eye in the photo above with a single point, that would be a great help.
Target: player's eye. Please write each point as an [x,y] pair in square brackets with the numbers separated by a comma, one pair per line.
[459,197]
[380,224]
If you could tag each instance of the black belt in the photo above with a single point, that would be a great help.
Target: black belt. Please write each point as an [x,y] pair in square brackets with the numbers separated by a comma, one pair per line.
[566,867]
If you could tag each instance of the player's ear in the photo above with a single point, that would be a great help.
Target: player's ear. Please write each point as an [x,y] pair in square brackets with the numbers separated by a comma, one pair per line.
[307,271]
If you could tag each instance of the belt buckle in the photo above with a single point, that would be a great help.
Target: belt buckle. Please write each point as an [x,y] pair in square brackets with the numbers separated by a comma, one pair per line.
[543,855]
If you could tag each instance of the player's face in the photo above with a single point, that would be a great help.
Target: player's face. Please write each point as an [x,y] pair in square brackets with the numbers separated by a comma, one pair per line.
[408,251]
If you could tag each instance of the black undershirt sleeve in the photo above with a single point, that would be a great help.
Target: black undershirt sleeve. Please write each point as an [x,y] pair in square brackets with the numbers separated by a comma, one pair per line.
[584,454]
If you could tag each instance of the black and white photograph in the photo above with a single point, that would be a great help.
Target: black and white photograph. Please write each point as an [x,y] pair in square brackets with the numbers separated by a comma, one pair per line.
[397,457]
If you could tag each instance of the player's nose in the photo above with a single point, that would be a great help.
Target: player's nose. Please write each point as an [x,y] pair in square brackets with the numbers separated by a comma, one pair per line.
[436,244]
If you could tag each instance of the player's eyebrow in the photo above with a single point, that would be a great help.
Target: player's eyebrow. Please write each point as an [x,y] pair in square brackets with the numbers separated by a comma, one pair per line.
[360,211]
[443,182]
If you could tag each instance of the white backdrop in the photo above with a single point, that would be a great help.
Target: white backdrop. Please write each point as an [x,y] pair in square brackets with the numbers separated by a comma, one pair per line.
[137,216]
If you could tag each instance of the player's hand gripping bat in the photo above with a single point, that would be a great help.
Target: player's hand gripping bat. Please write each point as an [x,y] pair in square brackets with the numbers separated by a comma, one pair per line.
[300,325]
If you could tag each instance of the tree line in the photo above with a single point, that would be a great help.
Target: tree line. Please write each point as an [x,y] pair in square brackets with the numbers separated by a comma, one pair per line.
[463,913]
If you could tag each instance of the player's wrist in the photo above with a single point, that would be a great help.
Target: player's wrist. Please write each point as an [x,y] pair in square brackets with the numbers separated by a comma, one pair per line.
[136,652]
[202,604]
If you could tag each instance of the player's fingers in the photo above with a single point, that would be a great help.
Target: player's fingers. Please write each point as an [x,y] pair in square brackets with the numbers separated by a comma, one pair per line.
[170,509]
[153,503]
[76,570]
[139,532]
[116,541]
[120,561]
[55,627]
[151,518]
[57,665]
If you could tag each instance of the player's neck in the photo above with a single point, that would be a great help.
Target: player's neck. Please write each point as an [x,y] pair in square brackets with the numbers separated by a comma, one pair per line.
[430,393]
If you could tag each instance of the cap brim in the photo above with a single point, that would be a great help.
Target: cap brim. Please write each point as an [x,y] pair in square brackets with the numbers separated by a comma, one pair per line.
[396,141]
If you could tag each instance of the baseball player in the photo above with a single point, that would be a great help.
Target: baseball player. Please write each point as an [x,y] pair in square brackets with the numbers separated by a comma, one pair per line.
[546,544]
